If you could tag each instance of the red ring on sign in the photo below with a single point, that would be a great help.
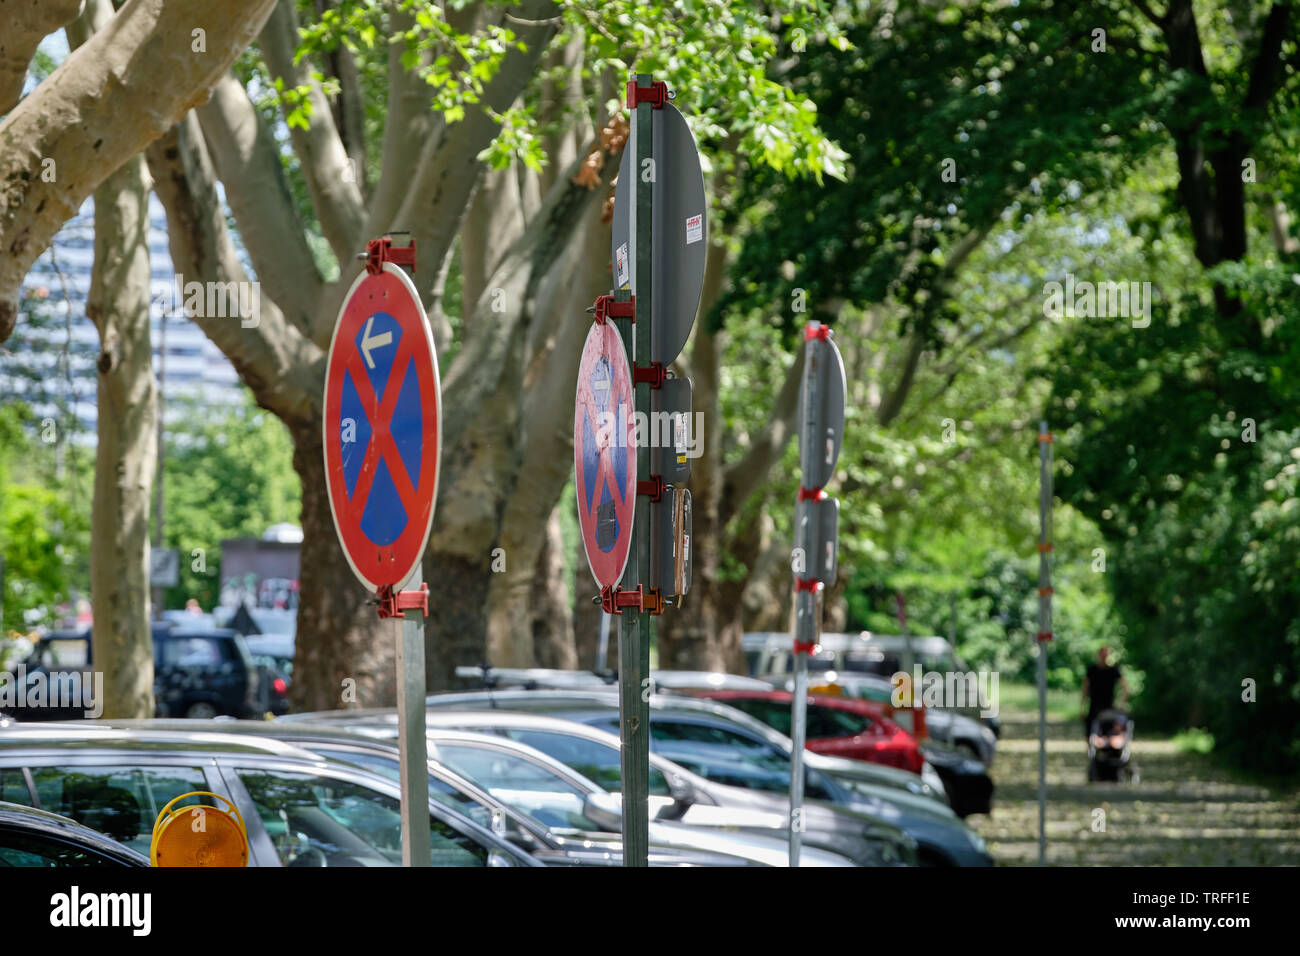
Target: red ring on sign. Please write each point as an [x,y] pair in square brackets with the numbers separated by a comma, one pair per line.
[391,291]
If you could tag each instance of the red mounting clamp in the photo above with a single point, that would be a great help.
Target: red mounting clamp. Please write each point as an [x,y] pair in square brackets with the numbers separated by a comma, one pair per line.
[804,647]
[381,250]
[816,330]
[656,94]
[393,603]
[652,374]
[613,600]
[1044,638]
[608,307]
[811,494]
[652,489]
[807,584]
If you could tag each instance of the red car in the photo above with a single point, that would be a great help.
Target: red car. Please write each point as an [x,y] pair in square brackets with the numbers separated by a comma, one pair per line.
[837,726]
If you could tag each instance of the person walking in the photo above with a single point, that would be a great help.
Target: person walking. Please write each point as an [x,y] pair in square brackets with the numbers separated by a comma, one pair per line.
[1099,683]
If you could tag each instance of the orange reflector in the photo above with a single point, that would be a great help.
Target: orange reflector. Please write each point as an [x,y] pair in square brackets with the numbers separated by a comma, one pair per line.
[197,835]
[830,690]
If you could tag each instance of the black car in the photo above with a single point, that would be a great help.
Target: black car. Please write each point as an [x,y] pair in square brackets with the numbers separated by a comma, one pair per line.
[197,673]
[36,838]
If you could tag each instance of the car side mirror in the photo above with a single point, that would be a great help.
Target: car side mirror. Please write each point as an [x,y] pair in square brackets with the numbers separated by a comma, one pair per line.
[680,789]
[605,810]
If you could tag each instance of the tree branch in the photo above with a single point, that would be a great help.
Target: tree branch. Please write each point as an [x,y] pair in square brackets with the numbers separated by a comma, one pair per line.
[284,369]
[103,105]
[247,161]
[26,25]
[334,190]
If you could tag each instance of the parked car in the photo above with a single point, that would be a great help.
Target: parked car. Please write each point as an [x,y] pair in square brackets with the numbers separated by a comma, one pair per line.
[956,730]
[720,743]
[832,721]
[197,673]
[549,816]
[300,810]
[273,655]
[837,726]
[538,678]
[36,838]
[770,657]
[676,794]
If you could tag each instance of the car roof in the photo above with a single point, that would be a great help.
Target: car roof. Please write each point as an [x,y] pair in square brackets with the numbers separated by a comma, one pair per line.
[836,641]
[105,735]
[587,705]
[854,704]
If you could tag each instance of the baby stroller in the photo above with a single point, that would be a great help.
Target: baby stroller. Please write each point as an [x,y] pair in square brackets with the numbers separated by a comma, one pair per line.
[1109,739]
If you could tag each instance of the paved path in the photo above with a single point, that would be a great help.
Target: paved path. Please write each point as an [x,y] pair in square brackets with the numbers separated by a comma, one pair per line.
[1183,810]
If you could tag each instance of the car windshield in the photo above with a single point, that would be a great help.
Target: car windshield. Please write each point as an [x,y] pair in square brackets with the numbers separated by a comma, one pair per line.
[317,820]
[598,762]
[389,767]
[532,789]
[729,757]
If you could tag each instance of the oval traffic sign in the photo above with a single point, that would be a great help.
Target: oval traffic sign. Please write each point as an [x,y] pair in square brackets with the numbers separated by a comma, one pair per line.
[604,453]
[821,428]
[382,427]
[680,230]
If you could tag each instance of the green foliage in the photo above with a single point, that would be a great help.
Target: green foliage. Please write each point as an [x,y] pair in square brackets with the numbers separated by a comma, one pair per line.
[955,120]
[227,475]
[44,536]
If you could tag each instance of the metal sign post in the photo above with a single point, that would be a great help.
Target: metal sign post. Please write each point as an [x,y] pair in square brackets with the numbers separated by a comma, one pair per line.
[1045,439]
[382,431]
[641,561]
[821,433]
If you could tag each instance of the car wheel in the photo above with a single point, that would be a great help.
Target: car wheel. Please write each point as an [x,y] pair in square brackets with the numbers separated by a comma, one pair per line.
[201,711]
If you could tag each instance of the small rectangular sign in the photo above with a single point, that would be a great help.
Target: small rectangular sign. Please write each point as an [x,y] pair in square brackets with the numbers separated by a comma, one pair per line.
[694,229]
[621,270]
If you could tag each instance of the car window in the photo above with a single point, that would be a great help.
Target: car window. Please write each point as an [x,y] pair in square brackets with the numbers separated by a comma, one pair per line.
[64,653]
[36,850]
[389,767]
[13,788]
[192,652]
[120,802]
[832,722]
[534,790]
[596,761]
[729,757]
[720,754]
[773,713]
[321,821]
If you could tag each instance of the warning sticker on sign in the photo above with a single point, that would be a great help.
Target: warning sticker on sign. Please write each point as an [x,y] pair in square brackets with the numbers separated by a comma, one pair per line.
[694,229]
[620,265]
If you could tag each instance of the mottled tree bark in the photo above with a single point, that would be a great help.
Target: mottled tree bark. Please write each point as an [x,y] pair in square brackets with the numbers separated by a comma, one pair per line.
[126,455]
[126,452]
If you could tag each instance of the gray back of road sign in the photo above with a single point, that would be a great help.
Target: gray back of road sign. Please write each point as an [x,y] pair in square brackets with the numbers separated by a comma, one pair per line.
[671,431]
[670,542]
[826,423]
[680,231]
[819,528]
[164,567]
